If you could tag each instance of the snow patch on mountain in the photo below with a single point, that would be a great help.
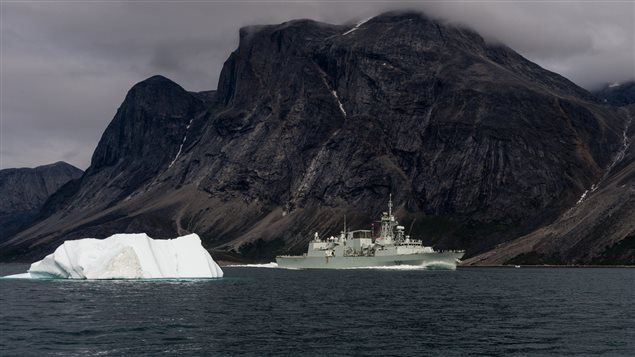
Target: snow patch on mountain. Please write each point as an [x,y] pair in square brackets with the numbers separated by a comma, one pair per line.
[187,128]
[339,102]
[356,26]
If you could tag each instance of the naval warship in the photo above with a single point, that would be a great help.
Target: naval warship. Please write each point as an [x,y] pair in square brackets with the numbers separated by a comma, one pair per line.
[363,248]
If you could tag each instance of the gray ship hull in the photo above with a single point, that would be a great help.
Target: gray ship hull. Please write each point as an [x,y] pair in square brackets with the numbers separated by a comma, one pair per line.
[434,260]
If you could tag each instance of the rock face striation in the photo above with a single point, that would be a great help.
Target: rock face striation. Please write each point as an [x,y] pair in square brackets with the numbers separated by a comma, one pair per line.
[598,230]
[25,190]
[312,122]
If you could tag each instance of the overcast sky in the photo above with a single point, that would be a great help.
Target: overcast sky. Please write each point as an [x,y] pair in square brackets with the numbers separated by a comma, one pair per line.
[67,65]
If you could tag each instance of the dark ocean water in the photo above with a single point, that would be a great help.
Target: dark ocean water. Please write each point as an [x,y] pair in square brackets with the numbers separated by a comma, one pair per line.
[263,312]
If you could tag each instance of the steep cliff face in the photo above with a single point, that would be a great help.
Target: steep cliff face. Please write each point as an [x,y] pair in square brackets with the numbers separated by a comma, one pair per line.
[25,190]
[313,121]
[598,229]
[144,138]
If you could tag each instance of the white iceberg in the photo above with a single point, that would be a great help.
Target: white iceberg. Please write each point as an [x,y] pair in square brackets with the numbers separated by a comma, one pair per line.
[128,256]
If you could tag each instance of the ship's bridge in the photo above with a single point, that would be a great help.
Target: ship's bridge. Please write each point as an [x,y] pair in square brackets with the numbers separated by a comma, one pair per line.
[361,233]
[359,240]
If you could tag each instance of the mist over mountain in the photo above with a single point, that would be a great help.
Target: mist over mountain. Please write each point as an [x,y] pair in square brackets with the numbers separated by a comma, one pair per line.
[312,122]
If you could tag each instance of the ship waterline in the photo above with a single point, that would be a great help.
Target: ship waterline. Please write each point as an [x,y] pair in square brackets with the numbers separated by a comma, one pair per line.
[366,248]
[436,260]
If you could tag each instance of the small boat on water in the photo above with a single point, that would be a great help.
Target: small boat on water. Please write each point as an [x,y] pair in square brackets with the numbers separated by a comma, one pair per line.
[362,248]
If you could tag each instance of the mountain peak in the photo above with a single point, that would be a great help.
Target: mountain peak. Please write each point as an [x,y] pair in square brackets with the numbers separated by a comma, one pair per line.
[151,122]
[396,15]
[156,94]
[157,83]
[60,164]
[157,79]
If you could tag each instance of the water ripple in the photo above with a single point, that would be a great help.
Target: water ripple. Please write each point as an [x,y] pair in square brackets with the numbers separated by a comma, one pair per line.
[256,312]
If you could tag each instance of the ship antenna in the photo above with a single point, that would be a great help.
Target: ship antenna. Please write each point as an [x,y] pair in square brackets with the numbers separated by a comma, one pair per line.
[344,223]
[390,205]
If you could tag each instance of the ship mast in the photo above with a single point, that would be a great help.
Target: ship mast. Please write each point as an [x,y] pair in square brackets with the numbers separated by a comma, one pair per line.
[391,219]
[344,223]
[388,222]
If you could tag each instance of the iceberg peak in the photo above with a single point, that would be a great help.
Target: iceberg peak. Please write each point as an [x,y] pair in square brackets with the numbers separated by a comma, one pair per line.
[128,256]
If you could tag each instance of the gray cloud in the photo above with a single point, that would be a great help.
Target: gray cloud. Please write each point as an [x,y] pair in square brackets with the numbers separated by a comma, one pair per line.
[66,66]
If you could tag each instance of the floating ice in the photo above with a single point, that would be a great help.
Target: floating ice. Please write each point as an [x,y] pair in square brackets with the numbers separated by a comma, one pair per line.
[128,256]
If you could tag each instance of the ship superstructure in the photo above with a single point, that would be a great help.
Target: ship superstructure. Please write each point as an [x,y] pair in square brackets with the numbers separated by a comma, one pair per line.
[363,248]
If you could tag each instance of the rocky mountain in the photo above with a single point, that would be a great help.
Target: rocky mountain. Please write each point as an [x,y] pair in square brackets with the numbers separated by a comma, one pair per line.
[598,230]
[311,122]
[617,94]
[25,190]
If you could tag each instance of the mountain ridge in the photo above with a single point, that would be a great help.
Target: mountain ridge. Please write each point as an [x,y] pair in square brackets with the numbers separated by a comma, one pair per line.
[25,190]
[311,122]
